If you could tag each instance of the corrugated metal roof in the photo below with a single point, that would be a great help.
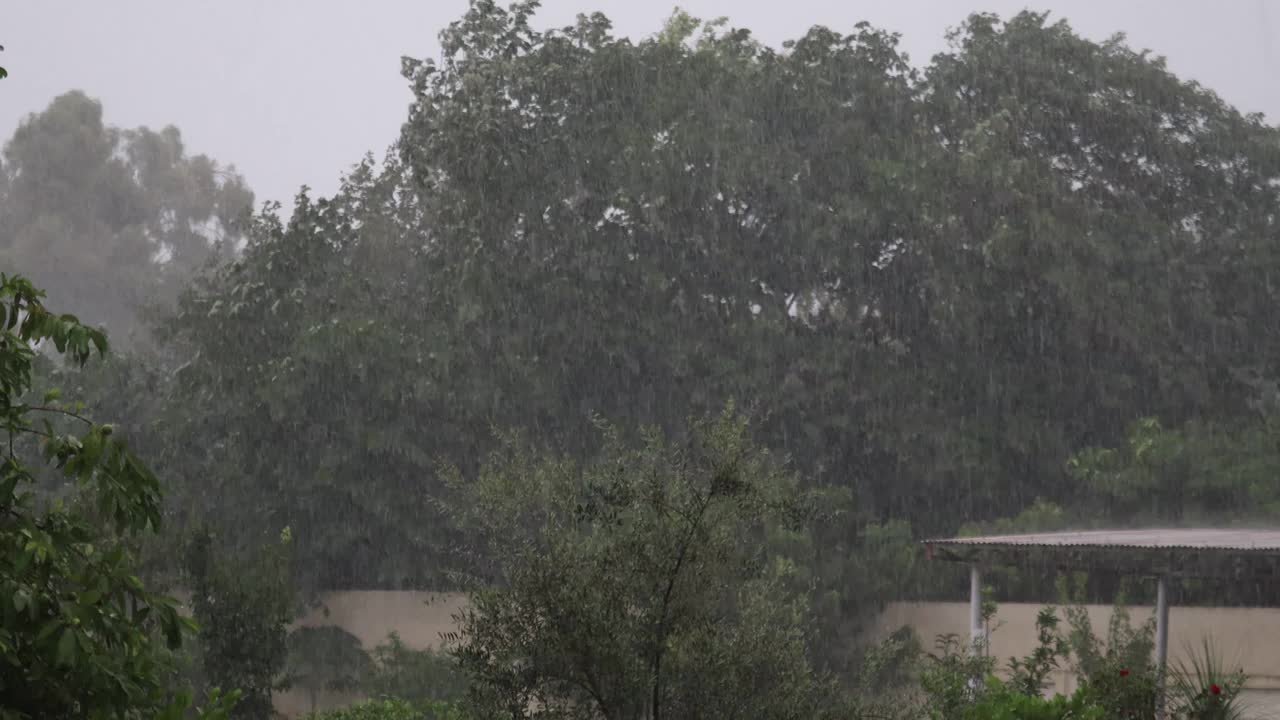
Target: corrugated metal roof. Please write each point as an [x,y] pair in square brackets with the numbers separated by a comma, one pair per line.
[1154,539]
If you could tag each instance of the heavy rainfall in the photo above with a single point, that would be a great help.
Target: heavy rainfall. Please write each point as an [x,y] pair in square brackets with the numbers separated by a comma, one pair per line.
[678,370]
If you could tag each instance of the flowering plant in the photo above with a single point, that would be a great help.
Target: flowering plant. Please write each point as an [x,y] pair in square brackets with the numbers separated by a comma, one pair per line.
[1204,689]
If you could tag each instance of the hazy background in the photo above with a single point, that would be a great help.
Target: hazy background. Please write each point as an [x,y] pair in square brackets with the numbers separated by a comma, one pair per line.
[293,92]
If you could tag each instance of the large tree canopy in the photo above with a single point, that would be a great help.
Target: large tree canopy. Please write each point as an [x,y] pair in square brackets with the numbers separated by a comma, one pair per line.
[929,289]
[114,221]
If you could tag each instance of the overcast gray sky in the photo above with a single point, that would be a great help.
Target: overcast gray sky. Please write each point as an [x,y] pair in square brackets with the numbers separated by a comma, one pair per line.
[295,91]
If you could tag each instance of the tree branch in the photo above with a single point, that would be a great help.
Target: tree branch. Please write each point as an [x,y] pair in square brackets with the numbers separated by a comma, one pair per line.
[659,651]
[60,411]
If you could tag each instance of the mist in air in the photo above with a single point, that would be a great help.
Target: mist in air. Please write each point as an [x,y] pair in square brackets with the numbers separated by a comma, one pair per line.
[466,360]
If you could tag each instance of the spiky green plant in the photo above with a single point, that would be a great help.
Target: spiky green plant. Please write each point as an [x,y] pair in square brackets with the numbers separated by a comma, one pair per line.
[1203,688]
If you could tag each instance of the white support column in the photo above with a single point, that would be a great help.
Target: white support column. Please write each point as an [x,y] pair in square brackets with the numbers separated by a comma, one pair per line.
[1162,641]
[1162,622]
[976,631]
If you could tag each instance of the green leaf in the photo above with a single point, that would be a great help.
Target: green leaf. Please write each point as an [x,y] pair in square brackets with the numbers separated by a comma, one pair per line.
[67,647]
[52,395]
[7,486]
[172,631]
[91,452]
[24,560]
[47,630]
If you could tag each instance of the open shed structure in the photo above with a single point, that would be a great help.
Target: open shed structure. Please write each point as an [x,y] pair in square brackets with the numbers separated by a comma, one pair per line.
[1164,554]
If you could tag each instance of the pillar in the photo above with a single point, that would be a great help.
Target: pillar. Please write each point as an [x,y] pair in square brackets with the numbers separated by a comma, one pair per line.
[976,631]
[1162,641]
[1162,622]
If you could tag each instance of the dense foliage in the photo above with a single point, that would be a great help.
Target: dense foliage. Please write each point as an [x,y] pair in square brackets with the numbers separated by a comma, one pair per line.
[929,288]
[393,709]
[114,221]
[81,637]
[419,676]
[638,584]
[243,605]
[1118,680]
[1026,284]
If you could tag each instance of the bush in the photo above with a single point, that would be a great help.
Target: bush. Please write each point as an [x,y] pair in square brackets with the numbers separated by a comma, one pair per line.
[948,679]
[1006,702]
[393,709]
[1117,673]
[1205,689]
[418,676]
[243,606]
[325,658]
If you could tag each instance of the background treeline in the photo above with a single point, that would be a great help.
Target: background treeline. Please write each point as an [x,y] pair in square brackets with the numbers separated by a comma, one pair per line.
[1029,284]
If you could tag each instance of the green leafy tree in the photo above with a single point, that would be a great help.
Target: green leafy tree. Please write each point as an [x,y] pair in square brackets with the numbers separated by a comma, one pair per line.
[929,289]
[1211,472]
[114,220]
[611,237]
[326,658]
[638,584]
[332,423]
[244,605]
[1103,221]
[81,635]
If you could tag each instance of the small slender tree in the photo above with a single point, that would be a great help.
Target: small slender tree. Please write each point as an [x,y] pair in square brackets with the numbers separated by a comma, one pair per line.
[639,585]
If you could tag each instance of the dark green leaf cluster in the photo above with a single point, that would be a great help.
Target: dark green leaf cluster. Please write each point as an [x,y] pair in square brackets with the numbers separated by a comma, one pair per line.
[244,605]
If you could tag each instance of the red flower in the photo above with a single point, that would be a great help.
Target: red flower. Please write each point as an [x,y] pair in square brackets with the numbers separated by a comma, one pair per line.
[1213,688]
[1124,672]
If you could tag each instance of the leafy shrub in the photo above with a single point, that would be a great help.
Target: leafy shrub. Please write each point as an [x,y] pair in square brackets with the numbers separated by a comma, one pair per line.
[1118,679]
[1006,702]
[1030,675]
[887,679]
[951,678]
[418,676]
[1205,689]
[1118,672]
[393,709]
[325,658]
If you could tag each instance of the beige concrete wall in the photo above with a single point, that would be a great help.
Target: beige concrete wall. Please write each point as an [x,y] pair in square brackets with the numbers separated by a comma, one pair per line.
[1248,637]
[418,617]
